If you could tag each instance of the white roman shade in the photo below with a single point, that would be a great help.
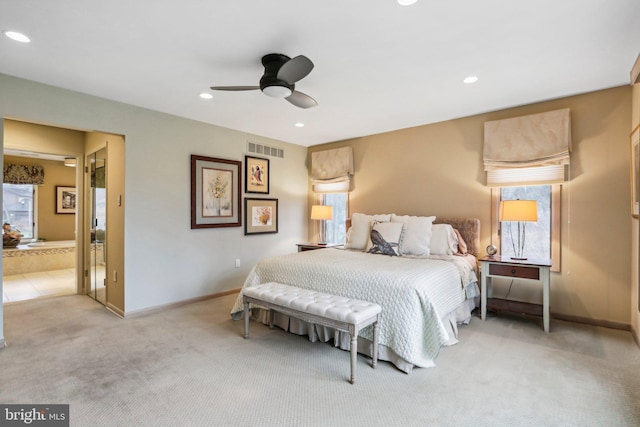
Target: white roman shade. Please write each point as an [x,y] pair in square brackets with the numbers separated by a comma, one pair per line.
[331,170]
[527,150]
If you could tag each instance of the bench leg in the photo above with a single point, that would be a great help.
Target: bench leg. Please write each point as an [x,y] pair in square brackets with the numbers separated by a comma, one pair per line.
[246,318]
[376,329]
[354,355]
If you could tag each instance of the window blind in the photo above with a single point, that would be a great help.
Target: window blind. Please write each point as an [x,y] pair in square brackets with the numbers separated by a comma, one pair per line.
[331,170]
[528,150]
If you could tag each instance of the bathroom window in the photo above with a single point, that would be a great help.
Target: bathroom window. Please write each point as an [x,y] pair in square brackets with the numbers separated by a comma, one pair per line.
[18,208]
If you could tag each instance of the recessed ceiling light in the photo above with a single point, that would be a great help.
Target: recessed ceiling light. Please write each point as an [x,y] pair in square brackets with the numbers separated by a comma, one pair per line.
[19,37]
[471,79]
[205,95]
[299,125]
[406,2]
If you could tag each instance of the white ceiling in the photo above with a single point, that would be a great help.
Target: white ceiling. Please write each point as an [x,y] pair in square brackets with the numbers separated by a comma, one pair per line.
[378,66]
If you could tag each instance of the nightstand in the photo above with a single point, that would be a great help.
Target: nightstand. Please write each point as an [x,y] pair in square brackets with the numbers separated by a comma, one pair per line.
[313,246]
[530,269]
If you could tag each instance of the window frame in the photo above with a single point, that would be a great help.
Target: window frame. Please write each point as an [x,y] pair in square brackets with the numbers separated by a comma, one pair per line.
[556,200]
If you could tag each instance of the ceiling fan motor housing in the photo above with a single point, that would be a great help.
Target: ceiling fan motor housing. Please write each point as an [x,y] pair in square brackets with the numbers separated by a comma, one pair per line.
[269,83]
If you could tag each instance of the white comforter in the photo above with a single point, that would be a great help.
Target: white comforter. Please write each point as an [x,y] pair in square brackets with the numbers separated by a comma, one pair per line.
[414,293]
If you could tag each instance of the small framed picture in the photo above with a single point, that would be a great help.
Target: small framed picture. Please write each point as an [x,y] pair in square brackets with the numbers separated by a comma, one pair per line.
[65,200]
[261,216]
[635,172]
[256,175]
[215,192]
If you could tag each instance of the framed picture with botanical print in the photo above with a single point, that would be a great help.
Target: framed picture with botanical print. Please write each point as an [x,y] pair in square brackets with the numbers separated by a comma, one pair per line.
[256,172]
[260,216]
[635,172]
[215,192]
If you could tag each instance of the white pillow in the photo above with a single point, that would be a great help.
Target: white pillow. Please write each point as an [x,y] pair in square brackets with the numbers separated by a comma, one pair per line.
[385,238]
[358,234]
[444,240]
[416,234]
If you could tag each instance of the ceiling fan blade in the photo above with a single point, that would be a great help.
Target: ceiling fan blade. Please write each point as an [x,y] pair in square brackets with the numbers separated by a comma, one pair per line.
[301,100]
[235,88]
[295,69]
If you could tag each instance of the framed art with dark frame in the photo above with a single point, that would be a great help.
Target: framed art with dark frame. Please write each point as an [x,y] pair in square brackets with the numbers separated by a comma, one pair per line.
[260,216]
[635,171]
[256,175]
[65,200]
[215,192]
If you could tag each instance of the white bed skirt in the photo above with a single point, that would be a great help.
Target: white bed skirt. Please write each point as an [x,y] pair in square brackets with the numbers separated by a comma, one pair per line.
[462,315]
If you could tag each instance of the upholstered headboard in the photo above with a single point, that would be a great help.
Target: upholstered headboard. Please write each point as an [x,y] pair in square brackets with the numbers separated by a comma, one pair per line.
[469,229]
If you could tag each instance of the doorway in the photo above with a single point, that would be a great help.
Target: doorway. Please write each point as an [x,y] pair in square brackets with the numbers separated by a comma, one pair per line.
[44,262]
[98,270]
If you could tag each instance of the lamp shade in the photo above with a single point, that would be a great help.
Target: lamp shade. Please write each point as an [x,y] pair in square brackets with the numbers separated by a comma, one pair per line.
[321,212]
[70,161]
[518,210]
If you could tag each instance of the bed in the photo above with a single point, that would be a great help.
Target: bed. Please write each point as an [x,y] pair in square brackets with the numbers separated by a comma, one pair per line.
[423,296]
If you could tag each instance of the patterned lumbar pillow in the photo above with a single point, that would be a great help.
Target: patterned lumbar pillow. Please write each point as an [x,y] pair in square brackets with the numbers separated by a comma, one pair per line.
[358,234]
[384,238]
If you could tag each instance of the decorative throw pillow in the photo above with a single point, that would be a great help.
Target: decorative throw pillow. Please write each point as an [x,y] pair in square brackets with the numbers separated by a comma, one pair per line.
[462,245]
[416,234]
[443,240]
[385,238]
[358,234]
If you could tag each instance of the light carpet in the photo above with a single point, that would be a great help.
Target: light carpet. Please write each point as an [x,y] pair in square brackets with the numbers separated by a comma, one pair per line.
[190,366]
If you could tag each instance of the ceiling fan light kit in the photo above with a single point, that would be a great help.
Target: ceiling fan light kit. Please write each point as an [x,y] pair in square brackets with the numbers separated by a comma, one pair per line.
[276,91]
[280,75]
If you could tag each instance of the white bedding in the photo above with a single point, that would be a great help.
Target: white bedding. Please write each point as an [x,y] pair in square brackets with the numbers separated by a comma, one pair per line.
[415,293]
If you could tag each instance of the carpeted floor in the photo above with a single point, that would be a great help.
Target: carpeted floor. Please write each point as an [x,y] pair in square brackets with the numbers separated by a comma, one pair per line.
[190,366]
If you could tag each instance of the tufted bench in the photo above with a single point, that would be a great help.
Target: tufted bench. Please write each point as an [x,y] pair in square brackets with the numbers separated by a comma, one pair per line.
[344,314]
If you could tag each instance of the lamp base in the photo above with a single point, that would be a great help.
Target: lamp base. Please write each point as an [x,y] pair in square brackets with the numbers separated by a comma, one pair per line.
[519,258]
[321,243]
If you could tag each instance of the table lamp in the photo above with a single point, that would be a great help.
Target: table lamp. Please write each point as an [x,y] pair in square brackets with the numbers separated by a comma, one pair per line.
[520,211]
[322,213]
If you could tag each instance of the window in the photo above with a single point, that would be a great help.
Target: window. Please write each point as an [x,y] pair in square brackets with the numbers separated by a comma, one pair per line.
[335,229]
[542,237]
[18,208]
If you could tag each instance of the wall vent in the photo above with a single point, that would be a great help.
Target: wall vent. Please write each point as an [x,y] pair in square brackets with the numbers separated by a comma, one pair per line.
[264,150]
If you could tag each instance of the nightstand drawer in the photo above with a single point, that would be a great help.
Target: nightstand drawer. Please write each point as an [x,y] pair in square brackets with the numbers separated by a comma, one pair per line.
[515,271]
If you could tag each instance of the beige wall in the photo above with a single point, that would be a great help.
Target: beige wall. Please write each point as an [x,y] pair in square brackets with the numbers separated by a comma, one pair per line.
[114,145]
[635,253]
[115,221]
[42,139]
[437,170]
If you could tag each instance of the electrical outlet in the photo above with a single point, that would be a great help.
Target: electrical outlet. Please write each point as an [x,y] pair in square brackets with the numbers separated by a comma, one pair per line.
[237,263]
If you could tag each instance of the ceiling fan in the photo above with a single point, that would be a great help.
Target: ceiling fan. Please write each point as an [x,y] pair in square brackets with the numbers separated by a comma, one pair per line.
[279,78]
